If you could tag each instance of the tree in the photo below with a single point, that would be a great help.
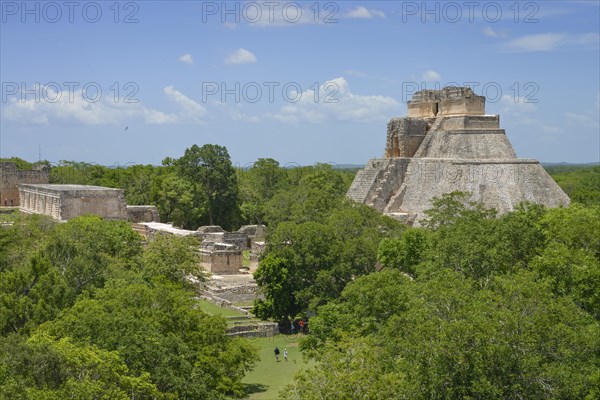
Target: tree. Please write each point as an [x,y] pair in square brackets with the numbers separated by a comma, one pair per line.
[160,332]
[576,226]
[60,263]
[440,336]
[404,253]
[308,264]
[469,240]
[258,185]
[452,206]
[172,257]
[581,183]
[208,169]
[294,256]
[176,201]
[44,367]
[318,192]
[83,249]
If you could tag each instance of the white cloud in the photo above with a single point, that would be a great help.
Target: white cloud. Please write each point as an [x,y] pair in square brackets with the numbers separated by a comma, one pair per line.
[551,41]
[335,102]
[239,116]
[431,76]
[190,110]
[186,58]
[488,31]
[520,111]
[589,120]
[539,42]
[66,108]
[362,12]
[240,56]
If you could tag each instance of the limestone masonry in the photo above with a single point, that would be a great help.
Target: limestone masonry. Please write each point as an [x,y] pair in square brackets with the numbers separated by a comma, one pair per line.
[448,143]
[10,177]
[220,251]
[63,202]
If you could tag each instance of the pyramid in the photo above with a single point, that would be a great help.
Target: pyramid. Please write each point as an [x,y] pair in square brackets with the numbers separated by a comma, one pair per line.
[447,143]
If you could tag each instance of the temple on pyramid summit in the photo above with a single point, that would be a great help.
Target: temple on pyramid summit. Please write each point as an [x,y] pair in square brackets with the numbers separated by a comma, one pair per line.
[447,143]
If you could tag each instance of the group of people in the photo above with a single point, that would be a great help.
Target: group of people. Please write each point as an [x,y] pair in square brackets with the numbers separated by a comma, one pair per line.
[285,354]
[301,326]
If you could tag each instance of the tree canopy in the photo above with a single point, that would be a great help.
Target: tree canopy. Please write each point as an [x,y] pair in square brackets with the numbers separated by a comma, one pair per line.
[87,312]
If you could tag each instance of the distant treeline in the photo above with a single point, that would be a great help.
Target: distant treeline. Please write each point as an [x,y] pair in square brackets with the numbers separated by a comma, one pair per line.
[202,187]
[580,182]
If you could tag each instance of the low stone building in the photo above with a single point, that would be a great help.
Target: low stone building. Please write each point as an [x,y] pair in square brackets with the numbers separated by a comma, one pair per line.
[63,202]
[216,256]
[221,258]
[11,177]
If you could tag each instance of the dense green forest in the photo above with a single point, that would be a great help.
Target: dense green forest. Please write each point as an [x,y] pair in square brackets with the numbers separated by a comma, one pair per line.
[470,306]
[87,312]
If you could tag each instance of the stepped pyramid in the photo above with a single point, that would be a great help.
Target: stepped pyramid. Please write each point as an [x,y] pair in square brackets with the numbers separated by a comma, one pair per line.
[448,143]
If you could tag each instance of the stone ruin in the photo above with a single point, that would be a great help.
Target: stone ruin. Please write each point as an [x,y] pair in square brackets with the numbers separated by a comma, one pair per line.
[144,213]
[65,201]
[447,143]
[221,252]
[11,177]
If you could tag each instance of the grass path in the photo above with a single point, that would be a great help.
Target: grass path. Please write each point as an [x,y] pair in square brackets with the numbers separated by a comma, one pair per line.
[269,376]
[212,308]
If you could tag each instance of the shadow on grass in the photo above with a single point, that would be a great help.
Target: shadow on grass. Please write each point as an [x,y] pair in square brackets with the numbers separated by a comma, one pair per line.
[252,388]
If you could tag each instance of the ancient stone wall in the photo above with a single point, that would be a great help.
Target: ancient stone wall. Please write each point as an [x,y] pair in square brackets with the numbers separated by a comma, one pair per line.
[64,202]
[404,136]
[11,177]
[445,102]
[221,258]
[144,213]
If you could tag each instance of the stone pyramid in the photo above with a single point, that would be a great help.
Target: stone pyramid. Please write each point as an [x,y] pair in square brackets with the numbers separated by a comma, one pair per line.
[448,143]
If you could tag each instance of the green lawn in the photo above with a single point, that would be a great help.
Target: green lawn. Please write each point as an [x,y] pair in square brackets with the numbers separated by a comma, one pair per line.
[212,308]
[269,376]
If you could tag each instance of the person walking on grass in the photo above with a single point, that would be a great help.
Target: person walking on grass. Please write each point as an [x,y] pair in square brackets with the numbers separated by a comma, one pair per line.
[277,354]
[285,354]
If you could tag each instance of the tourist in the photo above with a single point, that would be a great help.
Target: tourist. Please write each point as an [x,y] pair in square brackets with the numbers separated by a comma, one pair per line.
[277,354]
[285,354]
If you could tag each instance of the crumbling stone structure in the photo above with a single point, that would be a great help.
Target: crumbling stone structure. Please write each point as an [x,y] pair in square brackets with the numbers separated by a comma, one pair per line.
[136,214]
[447,143]
[221,258]
[216,234]
[11,177]
[63,202]
[220,251]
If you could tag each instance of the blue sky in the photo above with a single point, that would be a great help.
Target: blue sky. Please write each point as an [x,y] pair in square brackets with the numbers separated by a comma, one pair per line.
[183,63]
